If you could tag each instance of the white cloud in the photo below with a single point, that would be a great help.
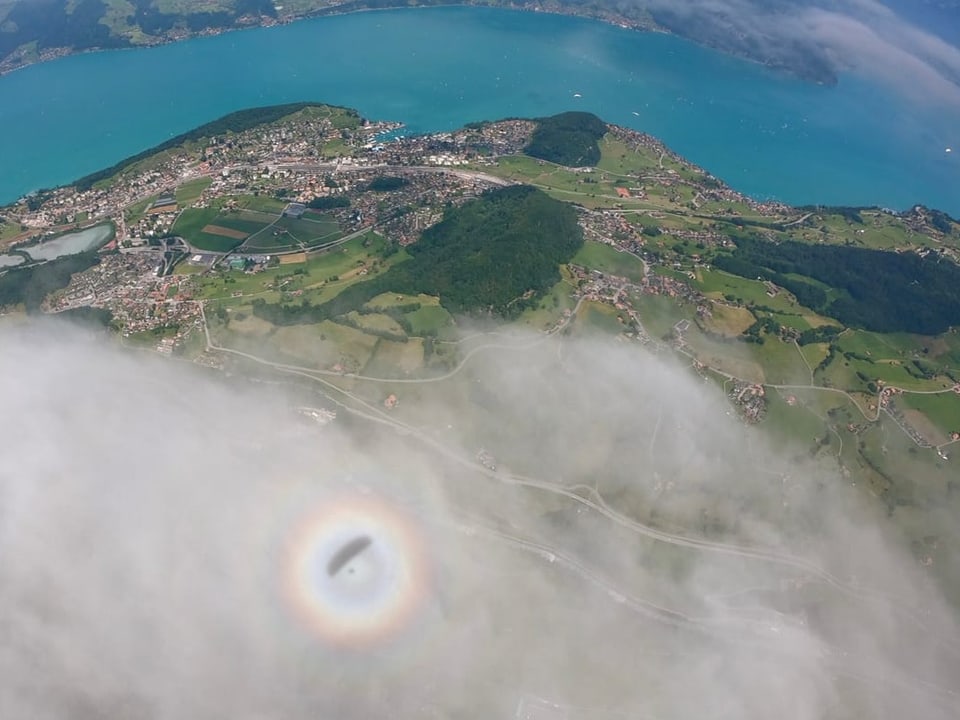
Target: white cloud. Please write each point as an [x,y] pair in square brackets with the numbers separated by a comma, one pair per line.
[862,35]
[148,514]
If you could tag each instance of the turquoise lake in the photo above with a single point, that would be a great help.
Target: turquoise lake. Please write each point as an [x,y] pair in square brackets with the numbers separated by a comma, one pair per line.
[765,133]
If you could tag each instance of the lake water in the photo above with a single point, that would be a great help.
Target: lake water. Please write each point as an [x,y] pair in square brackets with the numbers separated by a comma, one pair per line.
[765,133]
[72,243]
[7,261]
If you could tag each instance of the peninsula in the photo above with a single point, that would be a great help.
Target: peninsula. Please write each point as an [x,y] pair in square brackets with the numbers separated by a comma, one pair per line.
[307,239]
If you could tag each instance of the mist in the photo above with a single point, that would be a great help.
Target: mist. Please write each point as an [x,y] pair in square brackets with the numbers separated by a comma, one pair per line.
[178,543]
[865,37]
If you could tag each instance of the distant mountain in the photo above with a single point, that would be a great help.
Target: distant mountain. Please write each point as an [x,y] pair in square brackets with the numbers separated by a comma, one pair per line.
[32,30]
[813,39]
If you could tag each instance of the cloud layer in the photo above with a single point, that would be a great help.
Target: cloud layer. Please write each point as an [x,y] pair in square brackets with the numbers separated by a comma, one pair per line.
[863,36]
[635,553]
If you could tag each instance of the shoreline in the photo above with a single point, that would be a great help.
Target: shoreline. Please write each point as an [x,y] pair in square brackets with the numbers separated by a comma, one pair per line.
[329,11]
[351,9]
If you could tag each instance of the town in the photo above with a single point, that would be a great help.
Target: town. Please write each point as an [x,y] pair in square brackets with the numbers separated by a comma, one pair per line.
[245,214]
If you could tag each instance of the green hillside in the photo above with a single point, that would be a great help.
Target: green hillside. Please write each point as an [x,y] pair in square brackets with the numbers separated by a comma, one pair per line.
[570,138]
[498,253]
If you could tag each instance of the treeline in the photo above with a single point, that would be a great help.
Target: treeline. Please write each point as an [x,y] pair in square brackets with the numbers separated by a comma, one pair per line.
[809,295]
[153,21]
[570,139]
[52,24]
[329,202]
[822,334]
[850,214]
[30,285]
[400,337]
[235,122]
[879,290]
[498,253]
[90,317]
[387,183]
[941,220]
[743,223]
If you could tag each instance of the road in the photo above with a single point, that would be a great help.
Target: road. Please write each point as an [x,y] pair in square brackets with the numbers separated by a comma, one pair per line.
[840,659]
[597,504]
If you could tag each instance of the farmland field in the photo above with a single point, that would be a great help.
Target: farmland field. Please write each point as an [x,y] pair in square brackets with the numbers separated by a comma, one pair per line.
[727,320]
[429,319]
[190,192]
[253,230]
[607,259]
[395,359]
[943,409]
[212,229]
[293,234]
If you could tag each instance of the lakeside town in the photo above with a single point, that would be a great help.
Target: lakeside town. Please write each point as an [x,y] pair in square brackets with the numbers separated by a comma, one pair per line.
[319,165]
[314,155]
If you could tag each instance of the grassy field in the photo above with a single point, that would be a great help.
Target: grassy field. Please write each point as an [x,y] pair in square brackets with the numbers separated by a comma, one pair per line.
[9,230]
[552,306]
[190,224]
[877,346]
[336,148]
[260,203]
[781,362]
[395,359]
[258,219]
[290,233]
[430,319]
[325,344]
[943,410]
[135,212]
[798,321]
[376,322]
[797,423]
[320,278]
[899,374]
[328,344]
[246,222]
[814,353]
[190,192]
[718,284]
[659,314]
[321,346]
[734,358]
[727,320]
[389,300]
[149,338]
[598,317]
[594,189]
[617,158]
[608,259]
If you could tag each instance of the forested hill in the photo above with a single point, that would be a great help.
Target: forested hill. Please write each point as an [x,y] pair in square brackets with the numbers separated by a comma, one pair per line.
[35,26]
[498,253]
[862,288]
[570,138]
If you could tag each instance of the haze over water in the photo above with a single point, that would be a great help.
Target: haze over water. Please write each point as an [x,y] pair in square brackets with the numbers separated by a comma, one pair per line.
[765,133]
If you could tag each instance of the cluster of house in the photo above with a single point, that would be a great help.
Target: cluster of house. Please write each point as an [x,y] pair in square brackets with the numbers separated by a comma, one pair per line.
[477,143]
[749,399]
[127,285]
[298,140]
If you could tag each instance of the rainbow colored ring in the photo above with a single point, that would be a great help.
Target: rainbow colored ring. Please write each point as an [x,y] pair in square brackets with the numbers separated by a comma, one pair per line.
[369,596]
